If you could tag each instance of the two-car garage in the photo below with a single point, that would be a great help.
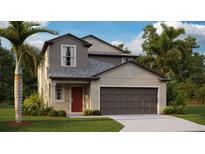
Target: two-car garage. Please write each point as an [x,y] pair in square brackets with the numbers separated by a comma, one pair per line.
[128,89]
[128,100]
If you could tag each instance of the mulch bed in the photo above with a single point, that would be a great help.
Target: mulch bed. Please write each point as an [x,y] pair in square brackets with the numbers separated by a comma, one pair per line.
[14,124]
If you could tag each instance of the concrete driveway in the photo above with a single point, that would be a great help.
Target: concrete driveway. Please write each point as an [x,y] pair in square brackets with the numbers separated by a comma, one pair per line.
[155,123]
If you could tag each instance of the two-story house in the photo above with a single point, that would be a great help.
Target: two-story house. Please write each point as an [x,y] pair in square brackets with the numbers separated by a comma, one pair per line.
[89,73]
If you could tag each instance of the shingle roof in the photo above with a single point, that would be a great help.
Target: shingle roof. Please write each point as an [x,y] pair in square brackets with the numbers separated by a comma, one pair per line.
[92,71]
[112,54]
[94,67]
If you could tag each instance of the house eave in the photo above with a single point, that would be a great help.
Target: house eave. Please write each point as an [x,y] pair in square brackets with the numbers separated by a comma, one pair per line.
[74,78]
[112,55]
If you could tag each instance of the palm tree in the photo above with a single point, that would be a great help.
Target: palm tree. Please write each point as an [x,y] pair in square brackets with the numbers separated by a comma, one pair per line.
[17,32]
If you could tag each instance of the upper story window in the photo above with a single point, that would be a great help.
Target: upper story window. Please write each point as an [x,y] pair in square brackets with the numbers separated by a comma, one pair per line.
[125,59]
[68,55]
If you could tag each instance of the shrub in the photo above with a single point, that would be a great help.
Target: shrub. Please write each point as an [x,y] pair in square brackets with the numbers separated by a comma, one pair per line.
[169,110]
[52,113]
[33,102]
[26,113]
[48,109]
[41,113]
[174,109]
[88,112]
[175,94]
[96,112]
[61,113]
[34,112]
[179,109]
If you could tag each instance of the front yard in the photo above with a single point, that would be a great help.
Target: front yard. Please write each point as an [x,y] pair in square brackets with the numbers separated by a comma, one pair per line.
[54,124]
[194,113]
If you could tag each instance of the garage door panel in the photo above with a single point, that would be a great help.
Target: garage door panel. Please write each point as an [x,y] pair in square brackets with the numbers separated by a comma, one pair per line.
[128,100]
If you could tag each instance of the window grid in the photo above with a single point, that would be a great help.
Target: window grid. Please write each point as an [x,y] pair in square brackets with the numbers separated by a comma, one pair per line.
[69,55]
[59,92]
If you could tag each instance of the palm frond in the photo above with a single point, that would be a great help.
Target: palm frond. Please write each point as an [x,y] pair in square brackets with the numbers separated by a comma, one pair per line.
[31,58]
[18,31]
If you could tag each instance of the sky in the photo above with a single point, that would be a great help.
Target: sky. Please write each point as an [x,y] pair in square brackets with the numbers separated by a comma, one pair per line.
[126,32]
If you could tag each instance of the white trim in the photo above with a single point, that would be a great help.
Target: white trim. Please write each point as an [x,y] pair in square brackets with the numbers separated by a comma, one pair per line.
[62,88]
[67,45]
[124,86]
[70,110]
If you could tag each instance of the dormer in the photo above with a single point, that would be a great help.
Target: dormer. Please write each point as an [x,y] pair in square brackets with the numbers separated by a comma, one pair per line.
[67,51]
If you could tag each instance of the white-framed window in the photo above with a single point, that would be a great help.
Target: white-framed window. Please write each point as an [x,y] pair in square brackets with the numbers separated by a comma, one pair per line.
[59,93]
[68,55]
[125,59]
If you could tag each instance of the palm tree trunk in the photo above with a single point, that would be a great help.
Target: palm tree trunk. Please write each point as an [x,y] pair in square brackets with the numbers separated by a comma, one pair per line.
[18,90]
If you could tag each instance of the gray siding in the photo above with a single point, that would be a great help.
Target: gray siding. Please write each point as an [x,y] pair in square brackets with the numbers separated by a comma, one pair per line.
[111,60]
[100,46]
[55,52]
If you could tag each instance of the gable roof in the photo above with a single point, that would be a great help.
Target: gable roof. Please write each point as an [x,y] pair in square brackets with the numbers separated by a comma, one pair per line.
[147,69]
[103,42]
[51,41]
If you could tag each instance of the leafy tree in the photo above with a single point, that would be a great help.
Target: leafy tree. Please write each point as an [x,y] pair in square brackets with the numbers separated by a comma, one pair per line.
[6,74]
[17,32]
[201,93]
[170,54]
[122,47]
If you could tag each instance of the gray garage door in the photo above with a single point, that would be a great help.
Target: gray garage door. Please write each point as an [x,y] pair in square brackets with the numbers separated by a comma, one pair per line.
[128,100]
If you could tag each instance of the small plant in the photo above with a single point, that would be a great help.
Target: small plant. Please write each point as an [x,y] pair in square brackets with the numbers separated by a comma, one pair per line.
[88,112]
[34,113]
[26,113]
[180,109]
[174,109]
[41,112]
[96,112]
[61,113]
[169,110]
[33,102]
[48,109]
[52,113]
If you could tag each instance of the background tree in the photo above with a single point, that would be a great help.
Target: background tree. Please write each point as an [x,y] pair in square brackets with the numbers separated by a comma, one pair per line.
[17,32]
[7,66]
[171,53]
[122,47]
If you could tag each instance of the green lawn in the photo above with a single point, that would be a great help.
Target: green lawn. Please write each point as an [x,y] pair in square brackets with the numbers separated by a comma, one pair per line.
[55,124]
[195,114]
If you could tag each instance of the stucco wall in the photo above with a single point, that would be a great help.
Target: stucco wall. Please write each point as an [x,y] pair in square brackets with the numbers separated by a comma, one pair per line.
[65,104]
[54,53]
[99,46]
[128,75]
[43,81]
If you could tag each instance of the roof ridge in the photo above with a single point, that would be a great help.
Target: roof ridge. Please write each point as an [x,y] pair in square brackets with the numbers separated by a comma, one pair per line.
[46,43]
[90,35]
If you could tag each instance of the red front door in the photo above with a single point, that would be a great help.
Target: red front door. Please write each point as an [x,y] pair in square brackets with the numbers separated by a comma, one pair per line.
[77,99]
